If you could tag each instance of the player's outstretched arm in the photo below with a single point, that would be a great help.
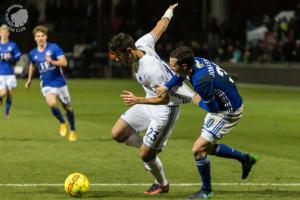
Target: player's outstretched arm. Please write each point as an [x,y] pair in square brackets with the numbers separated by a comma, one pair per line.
[30,74]
[163,23]
[130,99]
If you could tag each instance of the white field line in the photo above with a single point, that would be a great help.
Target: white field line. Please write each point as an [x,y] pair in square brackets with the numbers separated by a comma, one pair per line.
[146,184]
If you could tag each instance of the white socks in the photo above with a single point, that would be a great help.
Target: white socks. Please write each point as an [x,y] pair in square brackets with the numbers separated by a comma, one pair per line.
[156,168]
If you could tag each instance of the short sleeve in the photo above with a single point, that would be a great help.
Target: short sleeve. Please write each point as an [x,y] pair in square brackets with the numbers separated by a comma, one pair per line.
[58,52]
[148,40]
[31,58]
[16,52]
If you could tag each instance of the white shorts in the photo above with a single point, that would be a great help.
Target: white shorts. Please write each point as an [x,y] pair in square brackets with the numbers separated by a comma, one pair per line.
[157,119]
[216,125]
[8,82]
[62,92]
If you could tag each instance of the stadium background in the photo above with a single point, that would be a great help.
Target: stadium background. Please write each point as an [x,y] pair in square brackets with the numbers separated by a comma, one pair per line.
[35,161]
[214,29]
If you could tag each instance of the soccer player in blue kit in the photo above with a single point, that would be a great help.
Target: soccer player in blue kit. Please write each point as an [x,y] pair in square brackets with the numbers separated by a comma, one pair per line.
[219,96]
[49,59]
[9,54]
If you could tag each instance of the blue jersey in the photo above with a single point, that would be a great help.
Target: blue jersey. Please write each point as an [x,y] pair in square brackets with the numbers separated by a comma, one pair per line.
[6,65]
[216,88]
[50,75]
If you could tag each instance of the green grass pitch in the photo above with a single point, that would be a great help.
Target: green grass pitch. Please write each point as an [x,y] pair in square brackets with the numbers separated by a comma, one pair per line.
[32,151]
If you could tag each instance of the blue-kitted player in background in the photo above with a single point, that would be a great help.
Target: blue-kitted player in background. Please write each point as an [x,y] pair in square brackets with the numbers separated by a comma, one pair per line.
[49,59]
[9,54]
[219,96]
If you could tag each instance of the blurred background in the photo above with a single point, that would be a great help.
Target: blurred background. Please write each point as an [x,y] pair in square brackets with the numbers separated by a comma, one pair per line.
[256,41]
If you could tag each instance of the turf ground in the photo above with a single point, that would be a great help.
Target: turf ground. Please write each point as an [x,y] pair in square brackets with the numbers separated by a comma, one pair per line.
[32,151]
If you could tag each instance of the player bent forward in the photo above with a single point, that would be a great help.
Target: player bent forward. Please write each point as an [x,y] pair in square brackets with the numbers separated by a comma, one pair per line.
[146,113]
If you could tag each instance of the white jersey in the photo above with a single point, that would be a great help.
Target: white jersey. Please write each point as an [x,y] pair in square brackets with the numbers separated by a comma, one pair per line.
[152,72]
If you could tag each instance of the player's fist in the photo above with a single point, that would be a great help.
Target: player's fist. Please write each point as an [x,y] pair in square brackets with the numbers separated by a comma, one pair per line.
[161,91]
[196,99]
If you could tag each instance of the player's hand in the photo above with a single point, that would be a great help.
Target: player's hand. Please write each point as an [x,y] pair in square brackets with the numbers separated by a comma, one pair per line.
[48,59]
[27,84]
[129,98]
[161,91]
[196,99]
[173,6]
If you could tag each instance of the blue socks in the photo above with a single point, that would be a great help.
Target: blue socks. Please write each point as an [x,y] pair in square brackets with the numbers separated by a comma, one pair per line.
[225,151]
[8,105]
[70,116]
[71,119]
[203,165]
[56,112]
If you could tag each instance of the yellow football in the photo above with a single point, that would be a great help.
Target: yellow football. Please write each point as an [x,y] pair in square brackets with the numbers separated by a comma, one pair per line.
[76,184]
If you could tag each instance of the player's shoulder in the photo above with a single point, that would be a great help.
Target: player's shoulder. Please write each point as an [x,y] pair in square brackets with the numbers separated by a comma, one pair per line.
[52,45]
[12,43]
[32,51]
[151,62]
[145,39]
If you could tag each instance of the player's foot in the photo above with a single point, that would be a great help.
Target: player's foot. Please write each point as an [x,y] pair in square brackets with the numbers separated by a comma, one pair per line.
[248,164]
[6,115]
[63,129]
[1,101]
[201,195]
[145,168]
[157,189]
[72,136]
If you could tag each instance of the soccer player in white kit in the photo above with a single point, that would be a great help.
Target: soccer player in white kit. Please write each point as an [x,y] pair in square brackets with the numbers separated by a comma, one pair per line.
[155,114]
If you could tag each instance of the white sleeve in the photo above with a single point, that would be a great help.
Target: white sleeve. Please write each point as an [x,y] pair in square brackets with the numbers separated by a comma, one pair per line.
[147,40]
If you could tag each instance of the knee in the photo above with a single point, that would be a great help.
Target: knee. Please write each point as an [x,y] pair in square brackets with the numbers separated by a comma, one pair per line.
[199,151]
[51,104]
[147,156]
[67,107]
[3,93]
[116,134]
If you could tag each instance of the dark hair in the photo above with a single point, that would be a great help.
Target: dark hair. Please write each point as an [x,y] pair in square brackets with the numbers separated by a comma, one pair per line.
[121,42]
[184,55]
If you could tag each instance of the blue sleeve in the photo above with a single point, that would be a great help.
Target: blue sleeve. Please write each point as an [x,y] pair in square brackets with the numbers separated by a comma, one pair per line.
[30,58]
[57,51]
[205,89]
[16,54]
[176,80]
[212,107]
